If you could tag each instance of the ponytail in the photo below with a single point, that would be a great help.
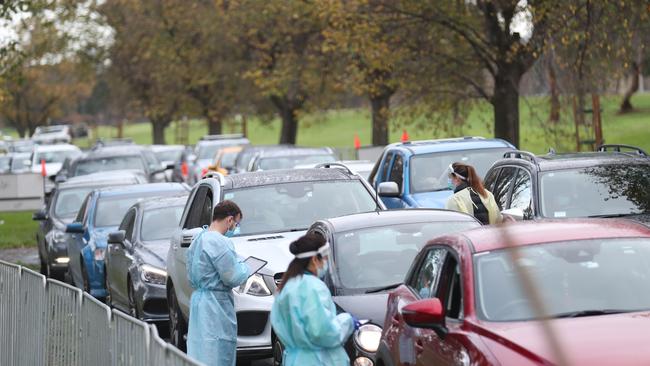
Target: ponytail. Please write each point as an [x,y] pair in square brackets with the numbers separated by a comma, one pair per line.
[468,174]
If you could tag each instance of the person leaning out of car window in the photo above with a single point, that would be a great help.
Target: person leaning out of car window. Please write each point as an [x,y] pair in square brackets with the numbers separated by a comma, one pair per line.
[470,196]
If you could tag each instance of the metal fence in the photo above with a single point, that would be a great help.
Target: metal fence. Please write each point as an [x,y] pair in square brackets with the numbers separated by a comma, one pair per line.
[47,322]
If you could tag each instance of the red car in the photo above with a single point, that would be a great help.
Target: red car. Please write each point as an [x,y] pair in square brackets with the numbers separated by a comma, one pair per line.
[464,301]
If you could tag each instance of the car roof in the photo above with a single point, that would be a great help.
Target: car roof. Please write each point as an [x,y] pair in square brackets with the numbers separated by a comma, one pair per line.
[278,176]
[57,147]
[141,188]
[295,151]
[395,217]
[451,144]
[101,178]
[157,202]
[118,150]
[225,142]
[156,148]
[489,238]
[551,162]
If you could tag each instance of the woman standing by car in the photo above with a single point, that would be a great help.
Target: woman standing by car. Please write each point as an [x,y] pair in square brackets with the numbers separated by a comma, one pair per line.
[470,196]
[214,269]
[303,314]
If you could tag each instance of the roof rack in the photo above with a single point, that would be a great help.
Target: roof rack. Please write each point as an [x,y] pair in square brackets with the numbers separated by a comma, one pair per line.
[335,165]
[222,137]
[217,175]
[618,147]
[520,154]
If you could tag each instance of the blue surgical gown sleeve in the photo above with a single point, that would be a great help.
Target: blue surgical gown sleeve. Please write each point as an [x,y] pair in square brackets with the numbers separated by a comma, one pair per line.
[232,271]
[323,327]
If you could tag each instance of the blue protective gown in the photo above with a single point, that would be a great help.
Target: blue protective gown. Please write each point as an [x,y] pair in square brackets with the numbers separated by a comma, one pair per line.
[213,269]
[304,318]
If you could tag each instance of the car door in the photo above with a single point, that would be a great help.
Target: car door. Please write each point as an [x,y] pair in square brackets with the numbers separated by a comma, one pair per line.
[120,257]
[436,350]
[405,342]
[396,174]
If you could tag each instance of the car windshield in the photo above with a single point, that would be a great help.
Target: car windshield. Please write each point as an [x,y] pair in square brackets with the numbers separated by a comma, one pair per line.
[295,206]
[429,172]
[5,164]
[228,159]
[243,159]
[160,223]
[208,151]
[110,210]
[386,251]
[598,190]
[572,278]
[54,156]
[169,155]
[290,162]
[49,129]
[109,163]
[68,201]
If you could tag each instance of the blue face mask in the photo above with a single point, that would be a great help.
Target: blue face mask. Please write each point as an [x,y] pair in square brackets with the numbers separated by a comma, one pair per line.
[322,272]
[450,184]
[232,232]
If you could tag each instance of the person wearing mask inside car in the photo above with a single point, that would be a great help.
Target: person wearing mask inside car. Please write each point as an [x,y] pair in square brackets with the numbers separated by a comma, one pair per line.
[470,196]
[214,269]
[303,315]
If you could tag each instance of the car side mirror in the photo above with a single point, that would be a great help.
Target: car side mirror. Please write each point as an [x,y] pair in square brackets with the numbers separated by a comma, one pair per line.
[74,228]
[427,314]
[39,215]
[513,214]
[117,237]
[170,166]
[60,178]
[388,189]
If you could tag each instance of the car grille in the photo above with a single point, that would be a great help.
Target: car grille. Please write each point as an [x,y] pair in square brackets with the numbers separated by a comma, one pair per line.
[251,323]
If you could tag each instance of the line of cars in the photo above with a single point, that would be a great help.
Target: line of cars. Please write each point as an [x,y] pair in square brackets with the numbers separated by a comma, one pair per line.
[135,256]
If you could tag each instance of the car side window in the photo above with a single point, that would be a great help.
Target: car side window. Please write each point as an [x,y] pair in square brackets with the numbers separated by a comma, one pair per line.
[425,281]
[127,225]
[206,210]
[396,173]
[193,219]
[450,290]
[385,167]
[522,193]
[490,178]
[502,186]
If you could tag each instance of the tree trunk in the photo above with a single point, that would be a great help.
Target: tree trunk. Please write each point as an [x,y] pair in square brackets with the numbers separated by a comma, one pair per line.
[380,117]
[214,125]
[289,126]
[554,115]
[626,105]
[158,132]
[505,101]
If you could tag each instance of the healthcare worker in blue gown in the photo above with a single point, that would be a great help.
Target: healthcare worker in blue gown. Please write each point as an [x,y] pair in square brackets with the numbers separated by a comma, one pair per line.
[214,269]
[303,315]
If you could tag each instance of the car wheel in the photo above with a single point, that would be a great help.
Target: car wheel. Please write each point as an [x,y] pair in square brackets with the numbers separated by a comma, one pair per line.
[278,350]
[177,326]
[84,277]
[133,306]
[44,266]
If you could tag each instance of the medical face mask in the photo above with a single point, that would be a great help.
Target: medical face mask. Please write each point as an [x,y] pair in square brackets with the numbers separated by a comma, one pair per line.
[232,232]
[450,184]
[322,271]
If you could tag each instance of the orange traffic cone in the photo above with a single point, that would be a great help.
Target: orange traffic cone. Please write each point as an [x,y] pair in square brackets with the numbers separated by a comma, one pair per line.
[357,142]
[405,136]
[43,170]
[185,171]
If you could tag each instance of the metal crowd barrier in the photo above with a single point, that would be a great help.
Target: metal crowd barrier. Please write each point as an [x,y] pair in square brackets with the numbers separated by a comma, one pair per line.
[47,322]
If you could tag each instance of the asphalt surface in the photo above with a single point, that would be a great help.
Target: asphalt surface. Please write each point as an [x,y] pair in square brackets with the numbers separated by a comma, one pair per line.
[27,257]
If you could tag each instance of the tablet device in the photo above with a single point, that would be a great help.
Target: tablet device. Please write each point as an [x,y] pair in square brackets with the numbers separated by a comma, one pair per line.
[254,264]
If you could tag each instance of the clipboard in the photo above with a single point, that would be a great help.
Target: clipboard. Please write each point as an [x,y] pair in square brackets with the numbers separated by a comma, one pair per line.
[254,264]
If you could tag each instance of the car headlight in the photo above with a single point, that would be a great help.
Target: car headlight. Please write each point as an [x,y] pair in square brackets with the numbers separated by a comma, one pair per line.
[99,254]
[58,237]
[153,274]
[255,286]
[367,337]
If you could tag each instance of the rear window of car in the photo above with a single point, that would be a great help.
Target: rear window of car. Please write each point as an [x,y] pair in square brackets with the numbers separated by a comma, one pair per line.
[109,163]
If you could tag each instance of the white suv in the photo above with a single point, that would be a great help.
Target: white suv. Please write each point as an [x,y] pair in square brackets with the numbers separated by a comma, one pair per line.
[55,134]
[278,207]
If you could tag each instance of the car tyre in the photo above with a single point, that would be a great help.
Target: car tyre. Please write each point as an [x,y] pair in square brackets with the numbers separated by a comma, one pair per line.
[109,297]
[177,326]
[84,276]
[278,350]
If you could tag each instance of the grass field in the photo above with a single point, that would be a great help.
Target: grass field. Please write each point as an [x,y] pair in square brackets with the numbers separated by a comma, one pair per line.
[337,128]
[17,230]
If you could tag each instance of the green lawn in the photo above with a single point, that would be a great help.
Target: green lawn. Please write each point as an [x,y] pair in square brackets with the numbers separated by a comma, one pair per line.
[337,128]
[17,229]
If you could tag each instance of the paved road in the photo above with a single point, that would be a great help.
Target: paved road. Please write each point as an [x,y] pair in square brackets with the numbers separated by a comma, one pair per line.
[24,256]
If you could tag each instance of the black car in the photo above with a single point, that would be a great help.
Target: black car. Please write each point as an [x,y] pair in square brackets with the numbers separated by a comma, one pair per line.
[136,270]
[371,254]
[606,183]
[61,210]
[120,157]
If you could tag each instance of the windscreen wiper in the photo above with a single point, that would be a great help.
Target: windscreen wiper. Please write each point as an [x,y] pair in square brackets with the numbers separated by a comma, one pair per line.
[294,230]
[611,215]
[383,288]
[594,312]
